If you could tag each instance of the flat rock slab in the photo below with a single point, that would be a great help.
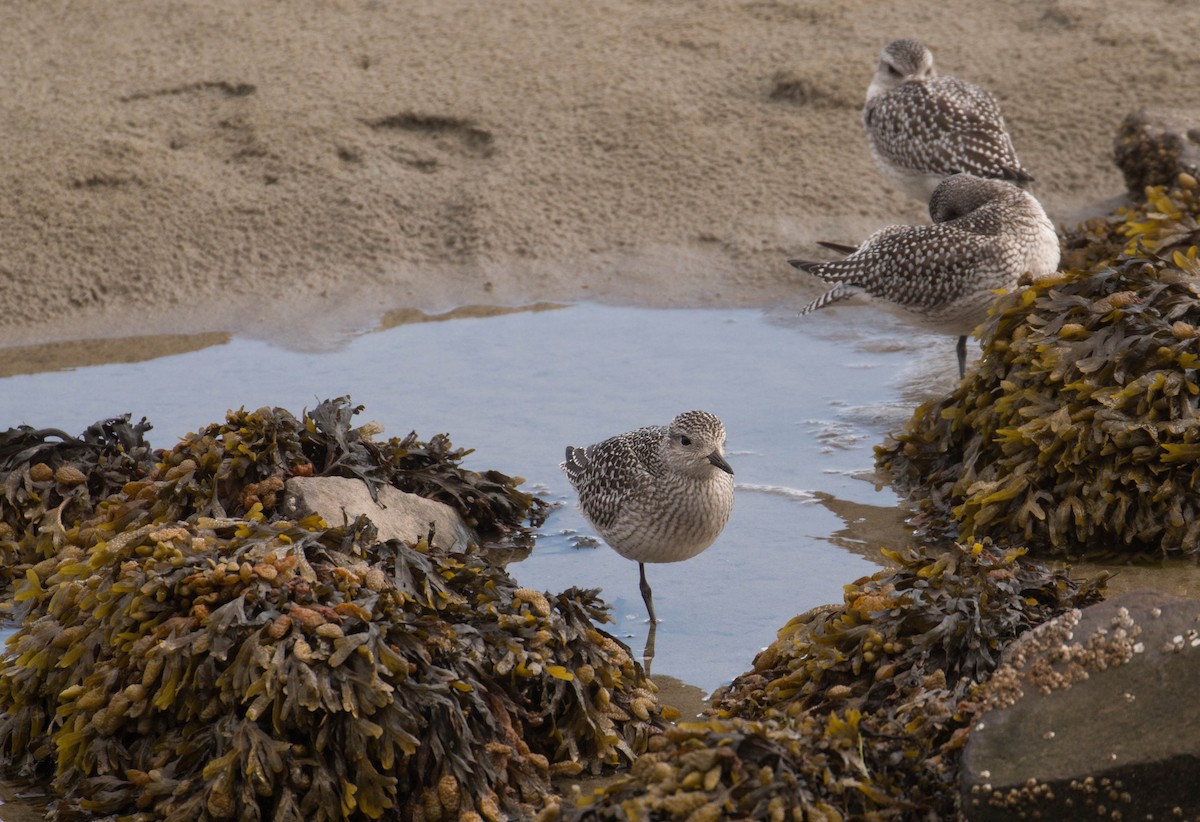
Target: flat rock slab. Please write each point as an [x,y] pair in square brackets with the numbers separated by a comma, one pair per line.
[1093,716]
[397,514]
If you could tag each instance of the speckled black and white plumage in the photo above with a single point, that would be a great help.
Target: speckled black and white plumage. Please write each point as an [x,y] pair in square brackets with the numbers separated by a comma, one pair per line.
[922,127]
[986,235]
[657,494]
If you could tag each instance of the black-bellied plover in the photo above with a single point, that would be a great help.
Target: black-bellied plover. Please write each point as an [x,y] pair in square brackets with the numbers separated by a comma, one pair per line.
[923,127]
[657,494]
[986,235]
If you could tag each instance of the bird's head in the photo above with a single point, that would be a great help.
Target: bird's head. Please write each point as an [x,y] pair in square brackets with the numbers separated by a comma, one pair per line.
[901,61]
[695,445]
[960,194]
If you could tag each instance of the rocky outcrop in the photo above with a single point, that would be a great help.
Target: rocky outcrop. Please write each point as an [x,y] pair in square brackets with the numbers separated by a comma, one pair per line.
[396,514]
[1092,716]
[1153,147]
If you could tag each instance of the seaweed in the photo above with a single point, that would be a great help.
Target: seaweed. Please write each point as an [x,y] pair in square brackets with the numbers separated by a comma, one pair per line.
[858,710]
[49,476]
[188,653]
[324,443]
[1078,432]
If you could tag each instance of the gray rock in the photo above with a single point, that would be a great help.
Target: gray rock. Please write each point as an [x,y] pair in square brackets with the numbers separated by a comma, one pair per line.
[1153,147]
[1092,716]
[397,515]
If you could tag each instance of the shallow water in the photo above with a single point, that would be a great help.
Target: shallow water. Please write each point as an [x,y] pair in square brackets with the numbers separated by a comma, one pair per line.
[803,401]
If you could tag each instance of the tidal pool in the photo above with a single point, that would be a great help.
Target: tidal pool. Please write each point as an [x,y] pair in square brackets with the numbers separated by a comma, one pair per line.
[804,401]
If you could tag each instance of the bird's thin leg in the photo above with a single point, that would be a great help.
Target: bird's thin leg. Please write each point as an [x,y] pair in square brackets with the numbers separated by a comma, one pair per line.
[962,357]
[646,593]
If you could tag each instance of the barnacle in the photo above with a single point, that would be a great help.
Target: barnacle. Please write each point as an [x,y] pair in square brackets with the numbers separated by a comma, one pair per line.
[186,652]
[1078,433]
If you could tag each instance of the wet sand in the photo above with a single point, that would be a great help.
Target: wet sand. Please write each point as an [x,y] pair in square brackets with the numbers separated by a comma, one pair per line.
[292,170]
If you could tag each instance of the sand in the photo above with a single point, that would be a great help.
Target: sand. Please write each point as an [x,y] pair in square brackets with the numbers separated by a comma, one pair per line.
[291,169]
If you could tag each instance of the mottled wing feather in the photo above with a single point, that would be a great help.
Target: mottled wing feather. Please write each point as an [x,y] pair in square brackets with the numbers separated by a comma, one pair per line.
[914,267]
[610,474]
[944,126]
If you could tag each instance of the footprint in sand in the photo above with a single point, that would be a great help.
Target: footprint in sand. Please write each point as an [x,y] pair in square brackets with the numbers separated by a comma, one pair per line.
[426,142]
[208,116]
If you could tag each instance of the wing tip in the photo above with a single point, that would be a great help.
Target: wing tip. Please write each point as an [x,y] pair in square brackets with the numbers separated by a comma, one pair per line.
[804,265]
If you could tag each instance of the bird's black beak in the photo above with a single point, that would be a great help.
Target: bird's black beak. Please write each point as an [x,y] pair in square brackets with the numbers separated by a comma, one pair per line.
[719,461]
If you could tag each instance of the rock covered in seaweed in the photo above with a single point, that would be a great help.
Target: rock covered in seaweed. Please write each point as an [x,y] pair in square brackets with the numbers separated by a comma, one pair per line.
[186,654]
[1152,148]
[1078,432]
[396,514]
[233,466]
[855,711]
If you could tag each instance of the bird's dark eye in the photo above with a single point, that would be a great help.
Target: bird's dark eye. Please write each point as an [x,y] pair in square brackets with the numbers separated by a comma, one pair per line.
[892,70]
[685,440]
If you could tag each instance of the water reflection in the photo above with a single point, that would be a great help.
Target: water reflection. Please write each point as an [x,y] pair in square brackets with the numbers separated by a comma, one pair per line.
[65,356]
[408,316]
[648,648]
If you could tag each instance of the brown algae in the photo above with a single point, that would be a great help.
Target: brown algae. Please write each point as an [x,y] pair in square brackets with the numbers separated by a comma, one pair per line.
[185,653]
[1078,432]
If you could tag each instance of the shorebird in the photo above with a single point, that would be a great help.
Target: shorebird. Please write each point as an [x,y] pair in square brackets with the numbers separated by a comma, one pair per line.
[986,235]
[656,494]
[923,127]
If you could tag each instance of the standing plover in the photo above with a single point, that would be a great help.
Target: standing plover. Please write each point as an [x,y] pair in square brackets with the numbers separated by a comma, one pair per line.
[923,127]
[656,494]
[985,235]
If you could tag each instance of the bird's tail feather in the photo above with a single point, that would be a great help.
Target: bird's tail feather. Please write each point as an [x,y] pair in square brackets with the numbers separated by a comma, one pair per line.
[840,248]
[575,463]
[804,265]
[839,292]
[1019,176]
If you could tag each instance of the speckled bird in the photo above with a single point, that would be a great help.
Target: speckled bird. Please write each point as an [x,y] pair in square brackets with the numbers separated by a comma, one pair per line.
[922,127]
[986,235]
[656,494]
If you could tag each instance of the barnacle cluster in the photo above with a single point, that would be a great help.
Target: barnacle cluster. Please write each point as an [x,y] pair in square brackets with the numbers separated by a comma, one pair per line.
[855,711]
[185,653]
[1078,433]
